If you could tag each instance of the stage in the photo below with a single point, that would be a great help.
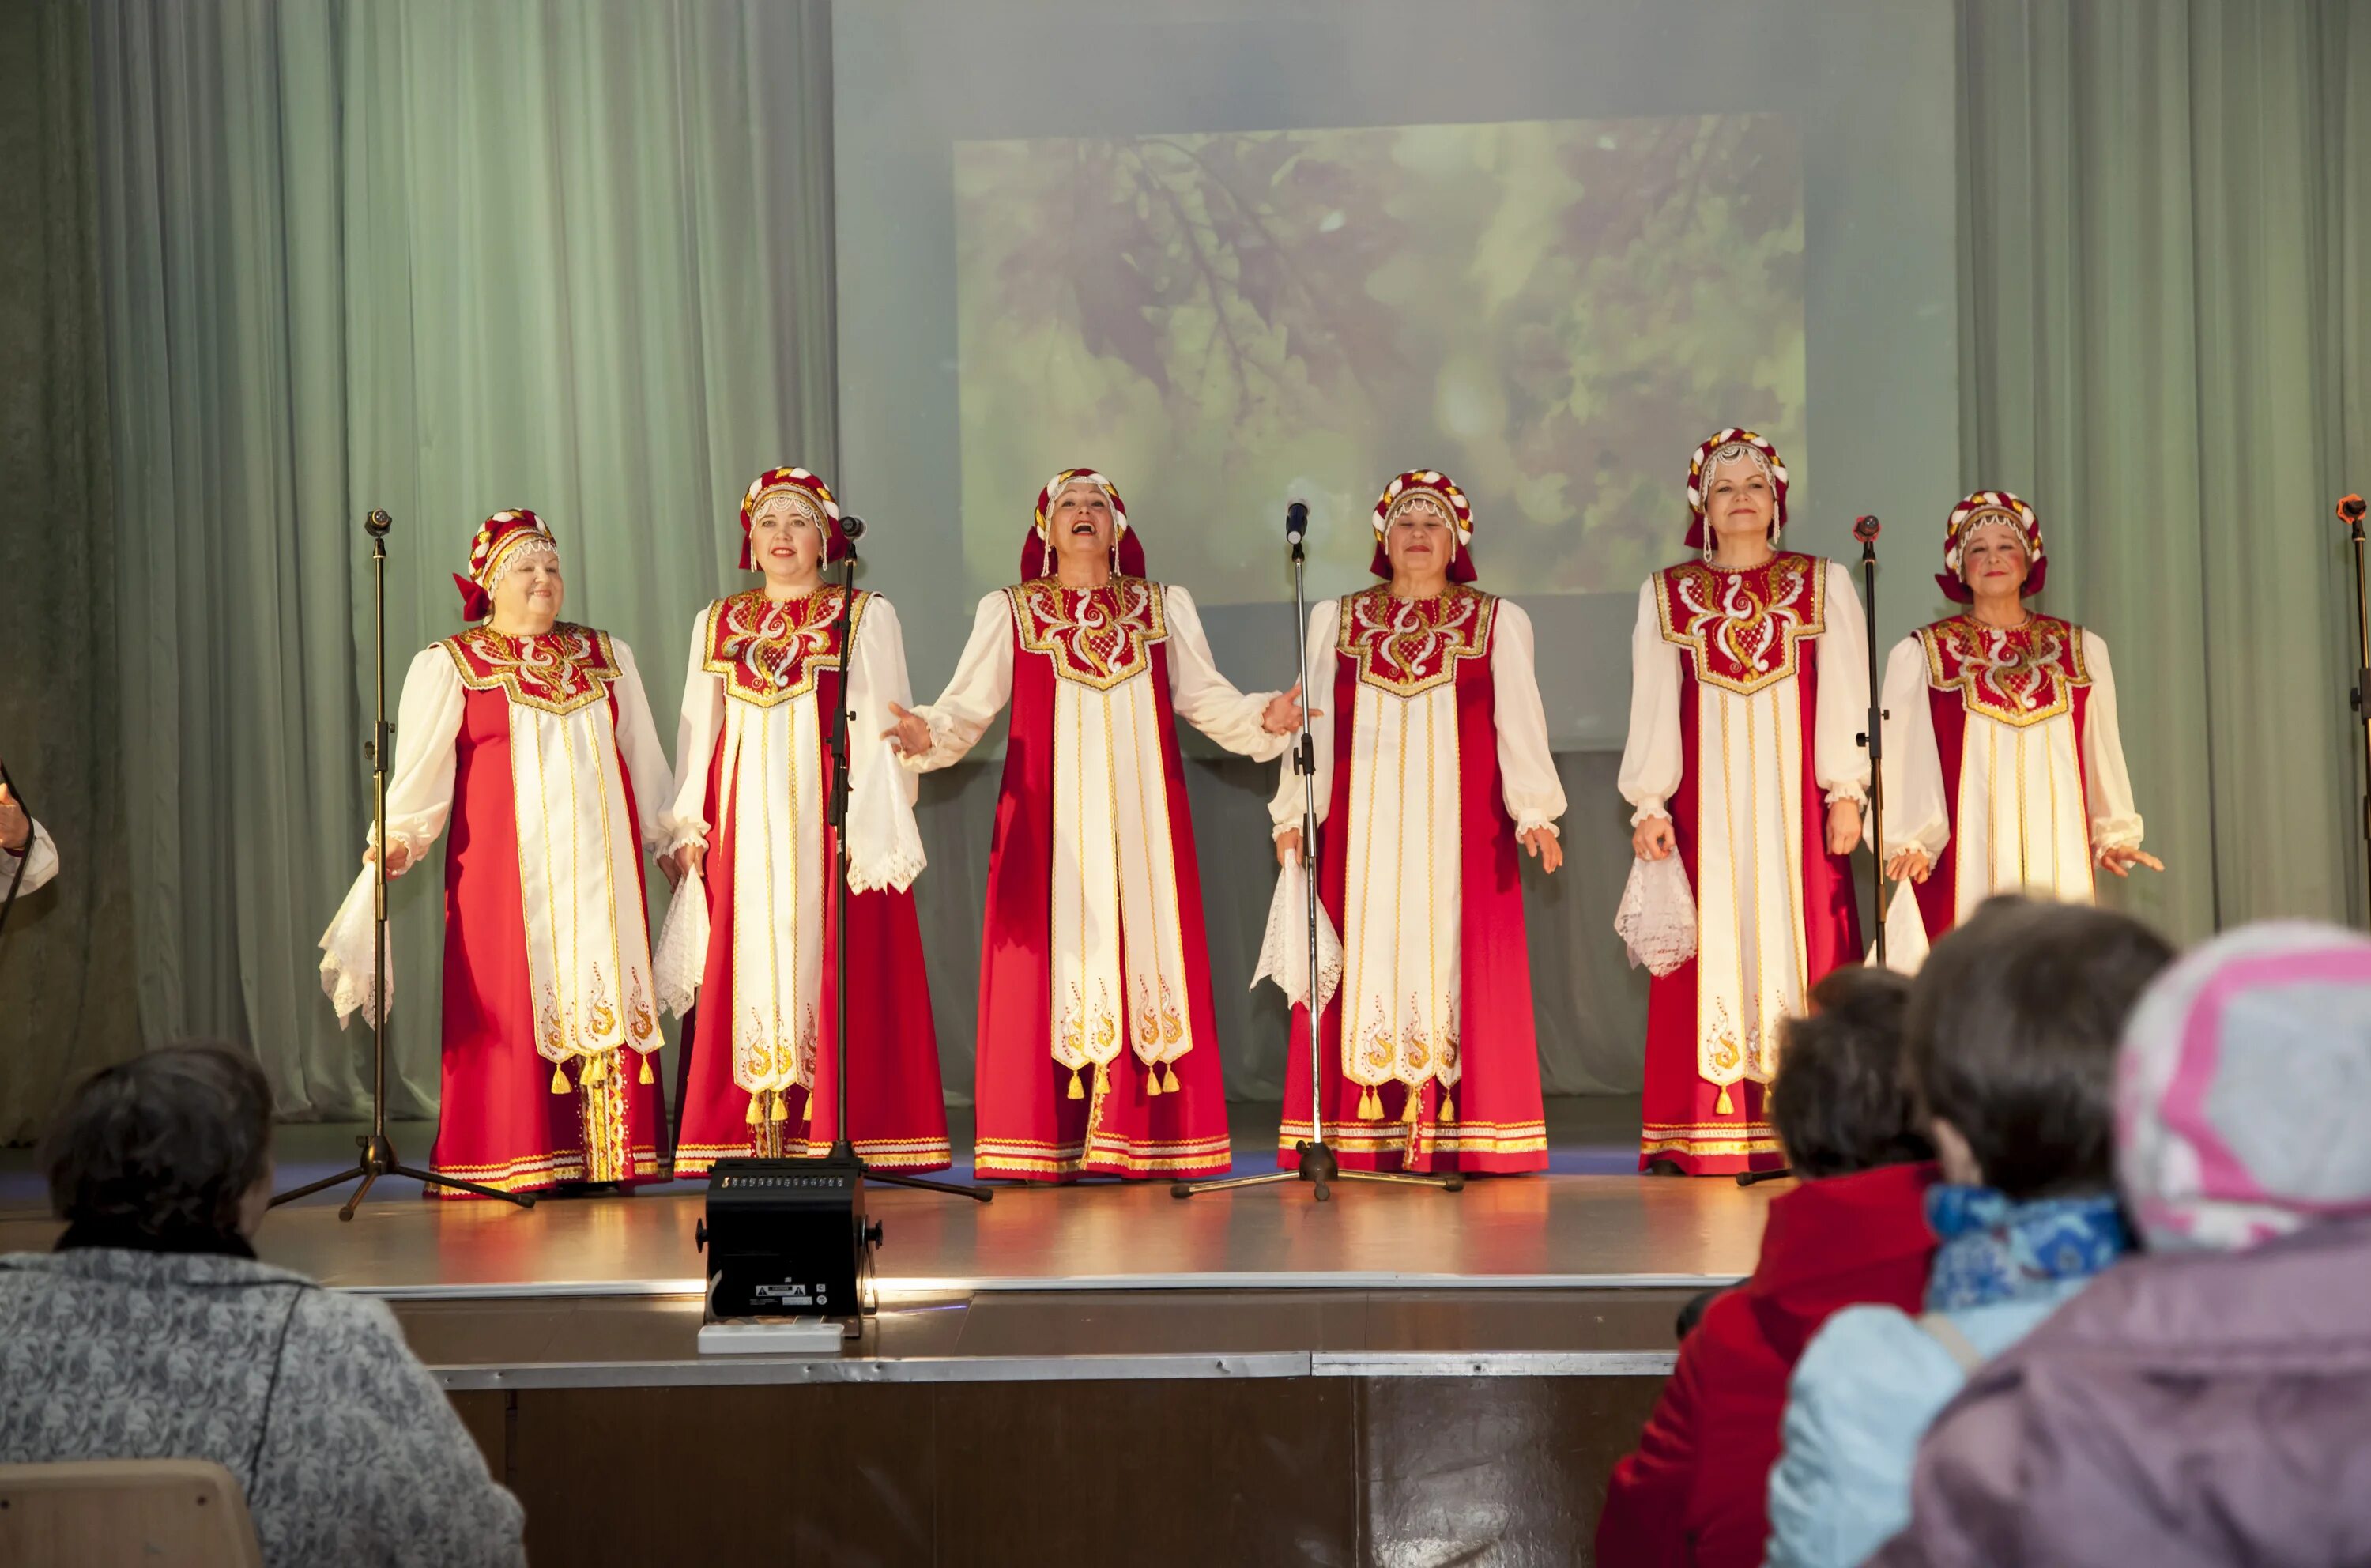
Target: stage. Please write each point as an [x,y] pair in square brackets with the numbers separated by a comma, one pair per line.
[1398,1365]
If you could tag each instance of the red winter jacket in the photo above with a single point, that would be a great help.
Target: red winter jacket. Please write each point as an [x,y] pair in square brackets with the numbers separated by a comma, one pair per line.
[1693,1495]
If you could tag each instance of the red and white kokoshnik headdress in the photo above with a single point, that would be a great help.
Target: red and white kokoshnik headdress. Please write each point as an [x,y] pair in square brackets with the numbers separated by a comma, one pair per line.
[1990,509]
[501,542]
[807,492]
[1433,491]
[1731,445]
[1037,550]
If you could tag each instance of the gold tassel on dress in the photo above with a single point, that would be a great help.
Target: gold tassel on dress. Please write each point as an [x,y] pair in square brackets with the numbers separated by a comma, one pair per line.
[1077,1090]
[756,1109]
[1415,1098]
[1448,1104]
[806,1113]
[1152,1079]
[1170,1086]
[778,1111]
[559,1078]
[1370,1104]
[1721,1107]
[646,1069]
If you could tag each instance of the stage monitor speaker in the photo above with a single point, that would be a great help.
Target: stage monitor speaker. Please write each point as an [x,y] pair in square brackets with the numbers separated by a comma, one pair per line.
[787,1238]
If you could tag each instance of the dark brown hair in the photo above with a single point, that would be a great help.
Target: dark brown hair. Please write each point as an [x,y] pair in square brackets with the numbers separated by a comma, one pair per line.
[1840,1102]
[165,1144]
[2011,1034]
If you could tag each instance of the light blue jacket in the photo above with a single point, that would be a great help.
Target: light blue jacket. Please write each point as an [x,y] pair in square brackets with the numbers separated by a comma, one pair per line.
[1863,1394]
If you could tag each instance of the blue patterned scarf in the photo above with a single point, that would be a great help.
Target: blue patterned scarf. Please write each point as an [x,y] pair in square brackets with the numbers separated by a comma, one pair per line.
[1997,1250]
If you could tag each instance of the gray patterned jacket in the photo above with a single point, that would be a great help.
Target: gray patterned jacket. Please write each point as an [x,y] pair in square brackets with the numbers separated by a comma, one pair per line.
[348,1451]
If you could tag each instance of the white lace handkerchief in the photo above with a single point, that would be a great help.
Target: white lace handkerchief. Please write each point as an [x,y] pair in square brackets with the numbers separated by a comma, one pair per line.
[1905,931]
[1284,951]
[682,955]
[1657,920]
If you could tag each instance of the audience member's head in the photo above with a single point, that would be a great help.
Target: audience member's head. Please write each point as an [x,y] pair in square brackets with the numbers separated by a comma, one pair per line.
[175,1144]
[2243,1094]
[2010,1041]
[1841,1102]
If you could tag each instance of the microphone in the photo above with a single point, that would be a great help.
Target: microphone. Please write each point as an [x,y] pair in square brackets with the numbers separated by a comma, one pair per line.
[1296,520]
[377,523]
[2350,508]
[852,527]
[1866,528]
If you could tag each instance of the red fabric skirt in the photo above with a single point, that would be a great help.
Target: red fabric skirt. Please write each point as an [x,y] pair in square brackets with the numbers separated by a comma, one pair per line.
[498,1122]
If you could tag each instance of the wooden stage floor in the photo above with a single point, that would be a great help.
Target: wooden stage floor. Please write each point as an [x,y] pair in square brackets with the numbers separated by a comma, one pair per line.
[1548,1230]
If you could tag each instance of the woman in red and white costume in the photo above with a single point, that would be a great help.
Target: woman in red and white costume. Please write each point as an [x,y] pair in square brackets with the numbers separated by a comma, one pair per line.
[533,737]
[1424,796]
[765,676]
[1097,1051]
[2003,767]
[1749,686]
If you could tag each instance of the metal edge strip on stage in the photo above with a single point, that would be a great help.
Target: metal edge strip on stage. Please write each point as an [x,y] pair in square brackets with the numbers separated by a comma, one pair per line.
[746,1370]
[893,1289]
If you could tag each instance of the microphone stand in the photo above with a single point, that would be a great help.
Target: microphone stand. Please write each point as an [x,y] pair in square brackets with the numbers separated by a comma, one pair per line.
[843,1147]
[378,1157]
[1864,530]
[2349,511]
[1317,1165]
[33,837]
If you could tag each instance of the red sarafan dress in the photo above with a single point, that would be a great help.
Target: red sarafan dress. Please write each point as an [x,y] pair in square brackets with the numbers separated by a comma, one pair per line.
[1433,755]
[540,752]
[759,1076]
[1098,1055]
[1749,687]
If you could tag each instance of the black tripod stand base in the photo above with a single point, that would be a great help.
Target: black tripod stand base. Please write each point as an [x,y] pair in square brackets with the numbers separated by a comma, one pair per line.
[845,1151]
[924,1183]
[1318,1166]
[379,1158]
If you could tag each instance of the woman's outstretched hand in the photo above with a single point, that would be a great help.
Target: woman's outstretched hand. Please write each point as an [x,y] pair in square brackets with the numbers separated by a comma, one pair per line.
[2120,862]
[911,735]
[1282,715]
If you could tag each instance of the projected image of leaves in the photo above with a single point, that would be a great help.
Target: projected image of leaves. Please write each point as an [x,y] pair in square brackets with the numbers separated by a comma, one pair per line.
[1554,312]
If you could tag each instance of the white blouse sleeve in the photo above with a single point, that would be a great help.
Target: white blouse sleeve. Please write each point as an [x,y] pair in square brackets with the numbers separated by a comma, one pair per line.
[884,847]
[40,858]
[976,694]
[1839,761]
[419,800]
[644,759]
[1651,757]
[2115,821]
[427,730]
[1917,804]
[1206,699]
[701,721]
[1317,688]
[1526,768]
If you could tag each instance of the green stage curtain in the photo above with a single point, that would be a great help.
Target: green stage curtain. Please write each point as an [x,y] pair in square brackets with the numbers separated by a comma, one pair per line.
[65,999]
[441,257]
[2165,314]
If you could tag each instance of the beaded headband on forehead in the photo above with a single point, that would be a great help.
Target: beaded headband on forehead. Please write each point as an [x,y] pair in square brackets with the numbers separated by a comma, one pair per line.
[1434,492]
[501,542]
[1729,446]
[805,492]
[1982,509]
